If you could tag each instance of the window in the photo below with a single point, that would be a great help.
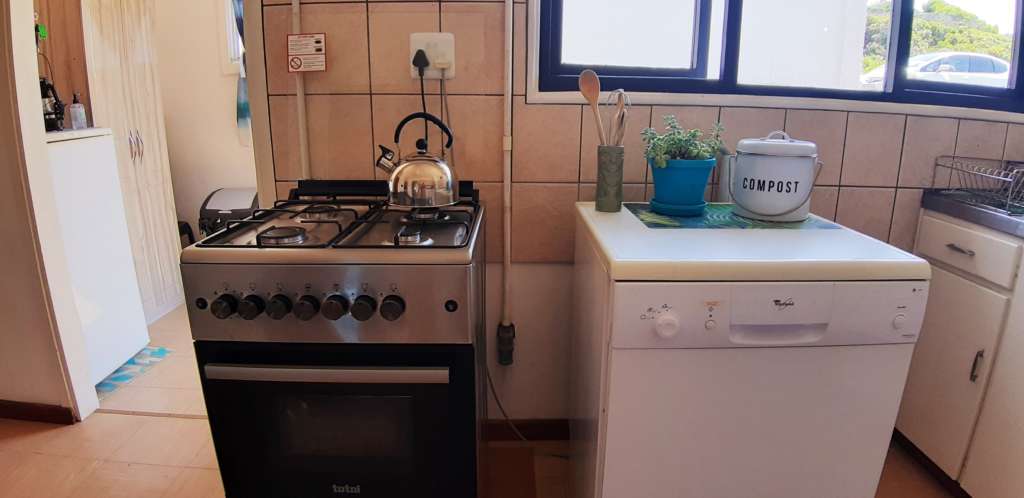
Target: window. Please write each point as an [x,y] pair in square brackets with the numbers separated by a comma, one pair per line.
[938,52]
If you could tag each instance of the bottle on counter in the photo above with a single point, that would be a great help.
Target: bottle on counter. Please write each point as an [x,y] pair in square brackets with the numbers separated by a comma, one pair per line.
[78,119]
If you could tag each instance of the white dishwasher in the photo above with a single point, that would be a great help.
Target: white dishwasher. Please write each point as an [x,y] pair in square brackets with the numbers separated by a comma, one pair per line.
[737,362]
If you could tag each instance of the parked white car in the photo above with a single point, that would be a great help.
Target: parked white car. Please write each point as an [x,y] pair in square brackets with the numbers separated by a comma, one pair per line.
[964,68]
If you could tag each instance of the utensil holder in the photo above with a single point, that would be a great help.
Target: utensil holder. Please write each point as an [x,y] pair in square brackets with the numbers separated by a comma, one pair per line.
[609,178]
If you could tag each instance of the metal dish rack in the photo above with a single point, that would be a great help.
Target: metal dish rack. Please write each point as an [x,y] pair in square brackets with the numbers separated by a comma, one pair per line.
[993,184]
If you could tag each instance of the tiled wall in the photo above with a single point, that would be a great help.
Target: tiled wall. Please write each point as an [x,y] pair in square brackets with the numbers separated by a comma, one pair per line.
[875,164]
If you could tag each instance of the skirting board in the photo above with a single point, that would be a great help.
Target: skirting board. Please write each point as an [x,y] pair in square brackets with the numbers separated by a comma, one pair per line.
[36,412]
[532,430]
[947,482]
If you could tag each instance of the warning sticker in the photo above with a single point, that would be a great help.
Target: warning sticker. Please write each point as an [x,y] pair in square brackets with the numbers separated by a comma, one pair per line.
[307,52]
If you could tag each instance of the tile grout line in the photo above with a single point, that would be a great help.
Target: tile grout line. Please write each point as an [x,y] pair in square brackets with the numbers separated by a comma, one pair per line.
[899,171]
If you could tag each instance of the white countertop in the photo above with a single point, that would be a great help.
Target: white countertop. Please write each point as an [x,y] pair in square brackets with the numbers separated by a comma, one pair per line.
[61,136]
[632,251]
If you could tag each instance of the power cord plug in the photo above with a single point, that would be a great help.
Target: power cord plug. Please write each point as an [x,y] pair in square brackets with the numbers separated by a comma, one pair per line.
[421,63]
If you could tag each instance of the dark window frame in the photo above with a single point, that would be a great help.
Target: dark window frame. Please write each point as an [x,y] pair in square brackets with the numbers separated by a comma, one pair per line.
[554,76]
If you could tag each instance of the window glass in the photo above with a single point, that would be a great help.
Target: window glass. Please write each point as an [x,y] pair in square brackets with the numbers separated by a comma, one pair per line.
[815,43]
[965,34]
[637,33]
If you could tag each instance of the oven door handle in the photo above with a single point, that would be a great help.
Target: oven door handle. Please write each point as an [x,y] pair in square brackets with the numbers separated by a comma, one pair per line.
[326,375]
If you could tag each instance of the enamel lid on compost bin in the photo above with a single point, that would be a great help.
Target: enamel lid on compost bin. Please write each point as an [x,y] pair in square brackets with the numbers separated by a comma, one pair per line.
[778,143]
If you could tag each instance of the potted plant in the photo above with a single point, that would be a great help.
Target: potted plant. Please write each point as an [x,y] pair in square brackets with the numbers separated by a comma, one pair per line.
[681,161]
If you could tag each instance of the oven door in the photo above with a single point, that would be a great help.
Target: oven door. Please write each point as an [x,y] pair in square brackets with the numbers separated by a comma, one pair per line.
[310,424]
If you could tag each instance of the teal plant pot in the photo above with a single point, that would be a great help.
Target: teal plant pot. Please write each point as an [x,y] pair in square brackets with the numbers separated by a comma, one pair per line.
[679,186]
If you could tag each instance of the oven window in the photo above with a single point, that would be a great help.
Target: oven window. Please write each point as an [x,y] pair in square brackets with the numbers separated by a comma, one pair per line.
[346,427]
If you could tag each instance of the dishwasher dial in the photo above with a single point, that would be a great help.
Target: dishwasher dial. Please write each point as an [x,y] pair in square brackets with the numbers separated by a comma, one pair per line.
[667,326]
[899,321]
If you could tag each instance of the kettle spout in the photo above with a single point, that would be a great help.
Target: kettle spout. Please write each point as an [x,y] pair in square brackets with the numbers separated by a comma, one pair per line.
[385,161]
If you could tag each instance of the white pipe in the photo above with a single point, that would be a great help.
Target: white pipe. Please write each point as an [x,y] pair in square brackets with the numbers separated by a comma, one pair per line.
[506,266]
[300,99]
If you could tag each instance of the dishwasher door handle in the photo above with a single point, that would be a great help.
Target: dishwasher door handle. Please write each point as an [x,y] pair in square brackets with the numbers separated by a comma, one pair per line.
[777,335]
[328,375]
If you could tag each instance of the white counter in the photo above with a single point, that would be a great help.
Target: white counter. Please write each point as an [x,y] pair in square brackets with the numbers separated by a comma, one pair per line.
[632,251]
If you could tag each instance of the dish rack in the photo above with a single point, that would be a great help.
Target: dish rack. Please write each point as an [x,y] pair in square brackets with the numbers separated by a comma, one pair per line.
[993,184]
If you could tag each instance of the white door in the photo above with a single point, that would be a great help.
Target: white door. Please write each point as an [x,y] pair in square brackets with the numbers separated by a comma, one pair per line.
[808,422]
[950,368]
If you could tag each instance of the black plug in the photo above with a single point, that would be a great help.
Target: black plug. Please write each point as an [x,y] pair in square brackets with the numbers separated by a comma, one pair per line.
[420,61]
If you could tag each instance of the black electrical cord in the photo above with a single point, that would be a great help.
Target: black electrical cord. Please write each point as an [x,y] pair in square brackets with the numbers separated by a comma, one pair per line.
[423,100]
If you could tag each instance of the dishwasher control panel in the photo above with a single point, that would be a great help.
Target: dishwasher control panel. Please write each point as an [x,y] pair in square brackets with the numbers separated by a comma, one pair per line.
[766,314]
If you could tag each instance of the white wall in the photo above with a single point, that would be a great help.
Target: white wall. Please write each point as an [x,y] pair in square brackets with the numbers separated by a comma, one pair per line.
[30,358]
[204,145]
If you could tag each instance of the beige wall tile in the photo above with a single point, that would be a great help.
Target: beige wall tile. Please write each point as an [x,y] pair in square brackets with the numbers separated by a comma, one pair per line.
[828,130]
[904,218]
[749,122]
[519,40]
[691,117]
[340,141]
[634,164]
[926,139]
[480,46]
[546,147]
[542,222]
[874,144]
[348,68]
[477,122]
[389,110]
[1014,143]
[631,192]
[981,139]
[867,210]
[491,196]
[824,201]
[390,26]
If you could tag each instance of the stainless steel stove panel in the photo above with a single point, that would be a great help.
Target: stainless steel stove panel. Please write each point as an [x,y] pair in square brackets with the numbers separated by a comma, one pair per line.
[428,291]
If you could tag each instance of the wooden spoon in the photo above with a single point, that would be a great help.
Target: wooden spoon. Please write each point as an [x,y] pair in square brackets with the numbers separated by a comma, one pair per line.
[619,122]
[590,87]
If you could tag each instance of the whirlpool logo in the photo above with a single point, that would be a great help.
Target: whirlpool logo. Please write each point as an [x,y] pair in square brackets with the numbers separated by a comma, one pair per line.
[346,489]
[783,304]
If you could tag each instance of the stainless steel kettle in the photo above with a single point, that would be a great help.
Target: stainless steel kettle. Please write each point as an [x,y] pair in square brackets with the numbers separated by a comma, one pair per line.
[420,180]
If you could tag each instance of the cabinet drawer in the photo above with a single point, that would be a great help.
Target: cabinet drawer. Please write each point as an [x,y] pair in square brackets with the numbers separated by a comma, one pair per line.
[987,256]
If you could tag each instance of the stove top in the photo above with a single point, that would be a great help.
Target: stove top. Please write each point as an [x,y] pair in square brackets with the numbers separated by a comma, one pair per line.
[333,217]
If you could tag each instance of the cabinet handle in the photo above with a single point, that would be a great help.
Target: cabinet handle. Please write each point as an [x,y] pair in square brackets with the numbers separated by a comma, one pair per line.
[980,355]
[955,248]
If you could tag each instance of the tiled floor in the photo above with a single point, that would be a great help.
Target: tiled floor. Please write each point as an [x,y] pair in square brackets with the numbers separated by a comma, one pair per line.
[126,451]
[172,386]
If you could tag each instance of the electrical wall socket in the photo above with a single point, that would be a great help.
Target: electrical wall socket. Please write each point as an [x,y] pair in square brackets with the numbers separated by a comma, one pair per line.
[440,48]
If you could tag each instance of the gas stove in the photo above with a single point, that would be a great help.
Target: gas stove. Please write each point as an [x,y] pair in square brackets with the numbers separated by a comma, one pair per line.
[340,344]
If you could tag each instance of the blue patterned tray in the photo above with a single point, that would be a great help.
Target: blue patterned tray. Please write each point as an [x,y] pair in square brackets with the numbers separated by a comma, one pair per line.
[719,216]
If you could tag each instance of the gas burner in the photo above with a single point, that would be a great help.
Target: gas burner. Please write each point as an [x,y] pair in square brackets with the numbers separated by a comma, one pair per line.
[409,236]
[320,212]
[282,236]
[424,215]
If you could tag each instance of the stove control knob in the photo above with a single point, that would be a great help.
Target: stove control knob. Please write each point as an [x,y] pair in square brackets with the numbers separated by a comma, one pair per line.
[279,307]
[392,307]
[307,308]
[251,307]
[224,306]
[363,308]
[335,307]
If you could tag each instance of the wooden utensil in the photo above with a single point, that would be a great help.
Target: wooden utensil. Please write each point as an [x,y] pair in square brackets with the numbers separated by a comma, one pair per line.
[619,123]
[590,87]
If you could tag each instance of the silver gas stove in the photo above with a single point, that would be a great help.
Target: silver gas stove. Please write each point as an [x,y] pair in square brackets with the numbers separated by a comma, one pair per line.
[339,268]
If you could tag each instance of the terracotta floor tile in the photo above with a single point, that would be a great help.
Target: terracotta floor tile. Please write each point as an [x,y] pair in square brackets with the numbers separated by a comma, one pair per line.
[177,372]
[127,480]
[165,441]
[97,437]
[155,400]
[36,475]
[196,483]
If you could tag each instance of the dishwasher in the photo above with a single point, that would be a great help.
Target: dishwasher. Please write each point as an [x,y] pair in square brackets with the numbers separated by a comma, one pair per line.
[724,363]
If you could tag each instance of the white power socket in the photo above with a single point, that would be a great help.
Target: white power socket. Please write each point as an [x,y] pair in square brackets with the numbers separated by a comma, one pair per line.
[440,49]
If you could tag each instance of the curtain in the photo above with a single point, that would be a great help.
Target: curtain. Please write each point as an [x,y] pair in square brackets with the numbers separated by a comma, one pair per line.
[243,114]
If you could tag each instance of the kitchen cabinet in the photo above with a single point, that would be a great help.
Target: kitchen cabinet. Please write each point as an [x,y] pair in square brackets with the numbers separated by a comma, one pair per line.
[950,367]
[962,409]
[120,55]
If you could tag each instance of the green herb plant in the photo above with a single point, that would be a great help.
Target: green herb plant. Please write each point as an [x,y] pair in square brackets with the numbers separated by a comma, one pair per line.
[680,143]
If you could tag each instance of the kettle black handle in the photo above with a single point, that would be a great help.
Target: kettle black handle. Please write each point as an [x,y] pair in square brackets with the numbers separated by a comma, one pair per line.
[429,117]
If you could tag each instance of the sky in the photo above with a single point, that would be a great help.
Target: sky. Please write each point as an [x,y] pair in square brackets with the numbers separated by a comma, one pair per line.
[998,12]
